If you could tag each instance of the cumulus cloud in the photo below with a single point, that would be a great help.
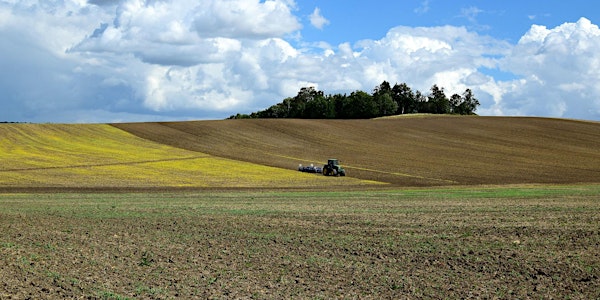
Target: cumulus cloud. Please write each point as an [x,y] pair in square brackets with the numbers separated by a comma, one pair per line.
[134,60]
[560,69]
[317,20]
[188,33]
[242,18]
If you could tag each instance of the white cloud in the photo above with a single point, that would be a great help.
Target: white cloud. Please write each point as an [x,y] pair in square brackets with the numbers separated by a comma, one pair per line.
[422,57]
[317,20]
[187,33]
[471,13]
[424,8]
[560,69]
[133,60]
[242,18]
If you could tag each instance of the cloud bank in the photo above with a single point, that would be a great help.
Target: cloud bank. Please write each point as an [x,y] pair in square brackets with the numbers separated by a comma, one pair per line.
[134,60]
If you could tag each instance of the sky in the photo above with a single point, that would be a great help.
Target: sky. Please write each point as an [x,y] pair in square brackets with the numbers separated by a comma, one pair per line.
[102,61]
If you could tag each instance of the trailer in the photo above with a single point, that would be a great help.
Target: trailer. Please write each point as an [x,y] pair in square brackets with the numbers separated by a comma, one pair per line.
[310,169]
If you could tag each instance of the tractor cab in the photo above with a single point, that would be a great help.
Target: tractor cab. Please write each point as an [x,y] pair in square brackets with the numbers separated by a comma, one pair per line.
[333,162]
[333,168]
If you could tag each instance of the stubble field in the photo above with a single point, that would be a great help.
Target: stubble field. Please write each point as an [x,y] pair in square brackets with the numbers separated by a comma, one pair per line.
[504,243]
[433,207]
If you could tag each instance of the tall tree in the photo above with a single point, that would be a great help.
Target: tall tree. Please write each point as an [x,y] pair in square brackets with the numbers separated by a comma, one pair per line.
[383,88]
[320,107]
[469,103]
[439,103]
[385,105]
[455,101]
[359,105]
[404,97]
[421,103]
[382,95]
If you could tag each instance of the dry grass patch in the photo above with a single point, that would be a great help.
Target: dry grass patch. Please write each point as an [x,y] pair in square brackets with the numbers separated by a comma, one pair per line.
[51,155]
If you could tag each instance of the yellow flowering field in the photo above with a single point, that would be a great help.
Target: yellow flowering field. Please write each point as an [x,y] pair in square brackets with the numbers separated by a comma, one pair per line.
[99,155]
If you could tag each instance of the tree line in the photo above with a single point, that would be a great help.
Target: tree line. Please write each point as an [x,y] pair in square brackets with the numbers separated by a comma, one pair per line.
[385,100]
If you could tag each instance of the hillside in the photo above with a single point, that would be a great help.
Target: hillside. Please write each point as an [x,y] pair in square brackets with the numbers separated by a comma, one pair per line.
[404,151]
[264,153]
[98,156]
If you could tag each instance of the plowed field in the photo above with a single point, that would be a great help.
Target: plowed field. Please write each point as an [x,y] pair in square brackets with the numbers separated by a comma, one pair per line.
[217,210]
[490,243]
[423,151]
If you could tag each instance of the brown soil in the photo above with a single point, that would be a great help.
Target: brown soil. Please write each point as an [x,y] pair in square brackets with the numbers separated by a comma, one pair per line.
[425,151]
[165,243]
[376,245]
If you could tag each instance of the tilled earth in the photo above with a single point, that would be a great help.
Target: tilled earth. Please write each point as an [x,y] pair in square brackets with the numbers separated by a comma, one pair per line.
[274,246]
[404,151]
[161,243]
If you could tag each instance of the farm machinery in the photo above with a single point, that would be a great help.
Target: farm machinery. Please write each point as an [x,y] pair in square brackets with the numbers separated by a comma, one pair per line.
[332,168]
[309,169]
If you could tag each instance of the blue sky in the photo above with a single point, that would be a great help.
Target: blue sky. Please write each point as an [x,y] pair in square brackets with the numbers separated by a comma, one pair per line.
[77,61]
[508,19]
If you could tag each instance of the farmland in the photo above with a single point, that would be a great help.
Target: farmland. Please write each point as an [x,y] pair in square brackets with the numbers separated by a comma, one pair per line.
[405,151]
[101,156]
[528,242]
[391,152]
[432,207]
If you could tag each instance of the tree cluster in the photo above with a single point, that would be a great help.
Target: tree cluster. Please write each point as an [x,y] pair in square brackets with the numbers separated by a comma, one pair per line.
[385,100]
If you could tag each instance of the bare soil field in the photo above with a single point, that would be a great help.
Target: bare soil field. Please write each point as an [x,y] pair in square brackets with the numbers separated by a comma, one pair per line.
[474,207]
[424,151]
[483,243]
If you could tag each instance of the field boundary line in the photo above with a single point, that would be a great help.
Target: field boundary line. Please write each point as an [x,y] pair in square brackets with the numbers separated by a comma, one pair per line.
[403,174]
[107,164]
[376,171]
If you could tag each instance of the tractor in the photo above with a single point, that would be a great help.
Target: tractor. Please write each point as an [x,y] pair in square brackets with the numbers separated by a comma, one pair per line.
[333,168]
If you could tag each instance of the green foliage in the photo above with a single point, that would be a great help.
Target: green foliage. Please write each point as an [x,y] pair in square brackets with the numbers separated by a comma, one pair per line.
[405,99]
[438,100]
[386,106]
[385,100]
[359,105]
[469,103]
[108,295]
[146,259]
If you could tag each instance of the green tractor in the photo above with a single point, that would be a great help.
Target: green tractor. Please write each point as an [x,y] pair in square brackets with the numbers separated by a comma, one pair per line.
[333,168]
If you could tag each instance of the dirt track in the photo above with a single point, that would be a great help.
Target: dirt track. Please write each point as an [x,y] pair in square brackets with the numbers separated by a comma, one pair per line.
[423,151]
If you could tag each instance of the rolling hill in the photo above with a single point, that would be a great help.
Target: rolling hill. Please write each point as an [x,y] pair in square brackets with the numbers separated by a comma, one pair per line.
[101,157]
[402,151]
[264,153]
